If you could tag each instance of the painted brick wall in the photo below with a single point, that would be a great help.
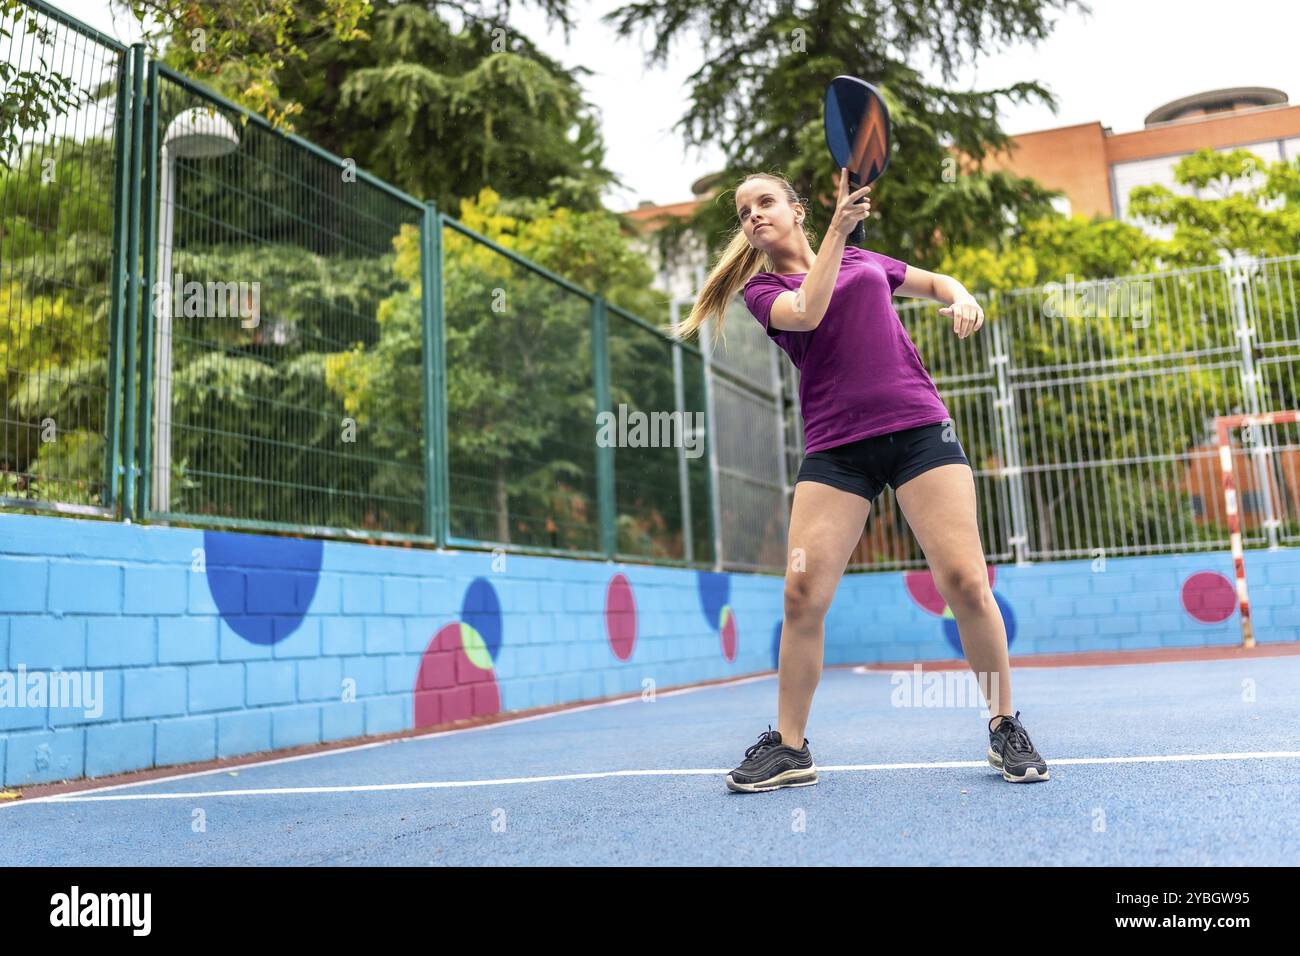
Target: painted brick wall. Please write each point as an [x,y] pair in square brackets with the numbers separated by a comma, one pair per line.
[213,644]
[1131,603]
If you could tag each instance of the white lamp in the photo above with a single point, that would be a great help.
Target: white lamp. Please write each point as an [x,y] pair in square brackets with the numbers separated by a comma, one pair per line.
[198,133]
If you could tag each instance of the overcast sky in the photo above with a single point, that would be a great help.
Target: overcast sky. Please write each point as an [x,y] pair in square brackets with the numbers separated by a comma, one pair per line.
[1114,67]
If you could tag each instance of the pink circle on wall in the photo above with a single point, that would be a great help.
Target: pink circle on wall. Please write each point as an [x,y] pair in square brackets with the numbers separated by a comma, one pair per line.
[921,589]
[620,617]
[1209,597]
[455,680]
[727,631]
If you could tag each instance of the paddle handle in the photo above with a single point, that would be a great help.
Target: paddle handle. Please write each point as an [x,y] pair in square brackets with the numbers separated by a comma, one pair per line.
[859,232]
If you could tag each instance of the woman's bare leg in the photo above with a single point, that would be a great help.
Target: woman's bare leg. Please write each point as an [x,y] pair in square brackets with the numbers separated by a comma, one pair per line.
[939,505]
[825,526]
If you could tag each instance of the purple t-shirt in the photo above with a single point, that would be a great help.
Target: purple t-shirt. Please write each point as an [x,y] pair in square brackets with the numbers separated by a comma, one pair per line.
[859,372]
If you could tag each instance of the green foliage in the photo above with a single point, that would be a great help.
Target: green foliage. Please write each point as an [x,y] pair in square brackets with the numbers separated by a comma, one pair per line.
[29,98]
[241,47]
[57,250]
[1256,210]
[519,380]
[259,428]
[444,113]
[1107,393]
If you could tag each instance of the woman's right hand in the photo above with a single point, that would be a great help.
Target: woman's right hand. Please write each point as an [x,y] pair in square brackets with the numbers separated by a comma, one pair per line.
[849,212]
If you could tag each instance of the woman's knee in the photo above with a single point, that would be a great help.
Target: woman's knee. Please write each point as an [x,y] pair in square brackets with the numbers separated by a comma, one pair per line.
[966,589]
[805,597]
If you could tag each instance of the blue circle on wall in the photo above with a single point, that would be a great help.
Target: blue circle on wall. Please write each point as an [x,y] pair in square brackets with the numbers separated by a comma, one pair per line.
[715,594]
[954,638]
[481,610]
[262,585]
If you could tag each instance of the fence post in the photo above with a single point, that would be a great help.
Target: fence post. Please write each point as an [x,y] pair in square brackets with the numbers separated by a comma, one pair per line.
[1237,272]
[119,281]
[715,517]
[436,506]
[132,329]
[1009,430]
[782,441]
[150,238]
[604,453]
[683,470]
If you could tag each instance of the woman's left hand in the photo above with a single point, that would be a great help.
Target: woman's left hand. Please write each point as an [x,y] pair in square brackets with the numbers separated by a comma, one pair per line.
[967,317]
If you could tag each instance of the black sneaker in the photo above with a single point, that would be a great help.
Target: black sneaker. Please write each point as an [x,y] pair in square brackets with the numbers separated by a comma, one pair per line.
[770,765]
[1011,751]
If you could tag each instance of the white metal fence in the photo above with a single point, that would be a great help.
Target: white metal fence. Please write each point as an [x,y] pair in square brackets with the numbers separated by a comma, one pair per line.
[1086,409]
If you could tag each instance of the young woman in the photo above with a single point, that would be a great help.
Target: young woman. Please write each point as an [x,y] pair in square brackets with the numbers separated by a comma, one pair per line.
[872,417]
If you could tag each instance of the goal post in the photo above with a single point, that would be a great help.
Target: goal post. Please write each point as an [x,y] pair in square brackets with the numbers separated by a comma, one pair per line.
[1224,426]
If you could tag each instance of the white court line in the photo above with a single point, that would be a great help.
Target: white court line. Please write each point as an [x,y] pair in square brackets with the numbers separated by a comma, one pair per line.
[239,768]
[451,784]
[907,668]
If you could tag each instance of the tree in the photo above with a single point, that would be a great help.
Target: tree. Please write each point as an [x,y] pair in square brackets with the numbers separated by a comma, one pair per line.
[29,98]
[759,95]
[437,111]
[57,249]
[1253,207]
[241,47]
[443,112]
[521,407]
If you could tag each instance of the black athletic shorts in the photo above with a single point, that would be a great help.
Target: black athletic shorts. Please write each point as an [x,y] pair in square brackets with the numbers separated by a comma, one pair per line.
[864,467]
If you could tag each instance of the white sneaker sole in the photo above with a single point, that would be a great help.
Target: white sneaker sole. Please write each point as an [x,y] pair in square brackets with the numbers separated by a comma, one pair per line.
[790,778]
[1031,774]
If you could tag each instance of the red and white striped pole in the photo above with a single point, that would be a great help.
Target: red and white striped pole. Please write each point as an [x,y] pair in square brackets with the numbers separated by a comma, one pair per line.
[1224,426]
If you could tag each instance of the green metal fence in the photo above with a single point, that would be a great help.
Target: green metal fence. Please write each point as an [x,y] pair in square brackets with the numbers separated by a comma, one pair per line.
[61,246]
[281,344]
[522,375]
[234,328]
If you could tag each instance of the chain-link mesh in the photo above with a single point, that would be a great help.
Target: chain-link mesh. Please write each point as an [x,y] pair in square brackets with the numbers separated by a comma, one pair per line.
[521,402]
[746,386]
[965,374]
[698,476]
[283,350]
[273,371]
[59,241]
[650,441]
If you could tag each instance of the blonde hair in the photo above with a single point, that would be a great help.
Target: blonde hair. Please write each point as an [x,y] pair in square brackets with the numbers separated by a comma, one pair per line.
[736,264]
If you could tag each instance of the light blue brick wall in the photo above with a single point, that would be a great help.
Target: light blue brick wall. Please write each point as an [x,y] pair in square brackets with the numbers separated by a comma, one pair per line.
[278,643]
[24,583]
[271,682]
[185,740]
[320,678]
[45,756]
[187,640]
[42,642]
[216,687]
[295,726]
[85,587]
[1072,606]
[115,748]
[244,732]
[153,692]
